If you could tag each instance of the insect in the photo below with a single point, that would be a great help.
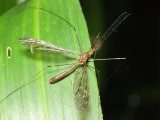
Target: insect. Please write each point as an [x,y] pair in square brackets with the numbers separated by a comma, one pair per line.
[80,86]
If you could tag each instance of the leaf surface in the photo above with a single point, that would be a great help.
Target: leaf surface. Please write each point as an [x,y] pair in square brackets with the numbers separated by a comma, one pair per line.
[41,100]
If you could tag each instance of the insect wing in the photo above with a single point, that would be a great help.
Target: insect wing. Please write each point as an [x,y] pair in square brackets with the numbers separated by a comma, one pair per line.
[80,88]
[43,45]
[113,27]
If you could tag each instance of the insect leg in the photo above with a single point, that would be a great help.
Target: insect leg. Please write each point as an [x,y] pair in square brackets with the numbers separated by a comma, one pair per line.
[30,81]
[74,28]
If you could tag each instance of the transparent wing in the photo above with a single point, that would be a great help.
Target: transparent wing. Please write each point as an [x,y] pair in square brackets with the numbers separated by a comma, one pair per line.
[43,45]
[80,88]
[112,28]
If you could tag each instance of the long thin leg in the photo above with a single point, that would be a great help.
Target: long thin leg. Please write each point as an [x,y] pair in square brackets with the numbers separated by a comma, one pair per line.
[30,81]
[99,85]
[114,71]
[106,59]
[97,71]
[74,28]
[108,78]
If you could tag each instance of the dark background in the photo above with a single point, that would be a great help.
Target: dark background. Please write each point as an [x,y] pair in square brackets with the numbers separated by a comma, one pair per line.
[133,91]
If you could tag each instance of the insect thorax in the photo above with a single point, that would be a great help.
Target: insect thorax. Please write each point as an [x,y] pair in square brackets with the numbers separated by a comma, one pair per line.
[83,57]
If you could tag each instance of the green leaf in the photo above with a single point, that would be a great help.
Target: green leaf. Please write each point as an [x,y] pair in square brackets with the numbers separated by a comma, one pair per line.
[6,5]
[41,100]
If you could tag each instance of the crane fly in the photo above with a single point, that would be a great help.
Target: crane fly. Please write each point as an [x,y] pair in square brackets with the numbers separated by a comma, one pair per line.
[80,86]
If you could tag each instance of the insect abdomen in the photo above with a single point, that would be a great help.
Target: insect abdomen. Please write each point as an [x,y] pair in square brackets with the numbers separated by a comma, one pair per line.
[58,77]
